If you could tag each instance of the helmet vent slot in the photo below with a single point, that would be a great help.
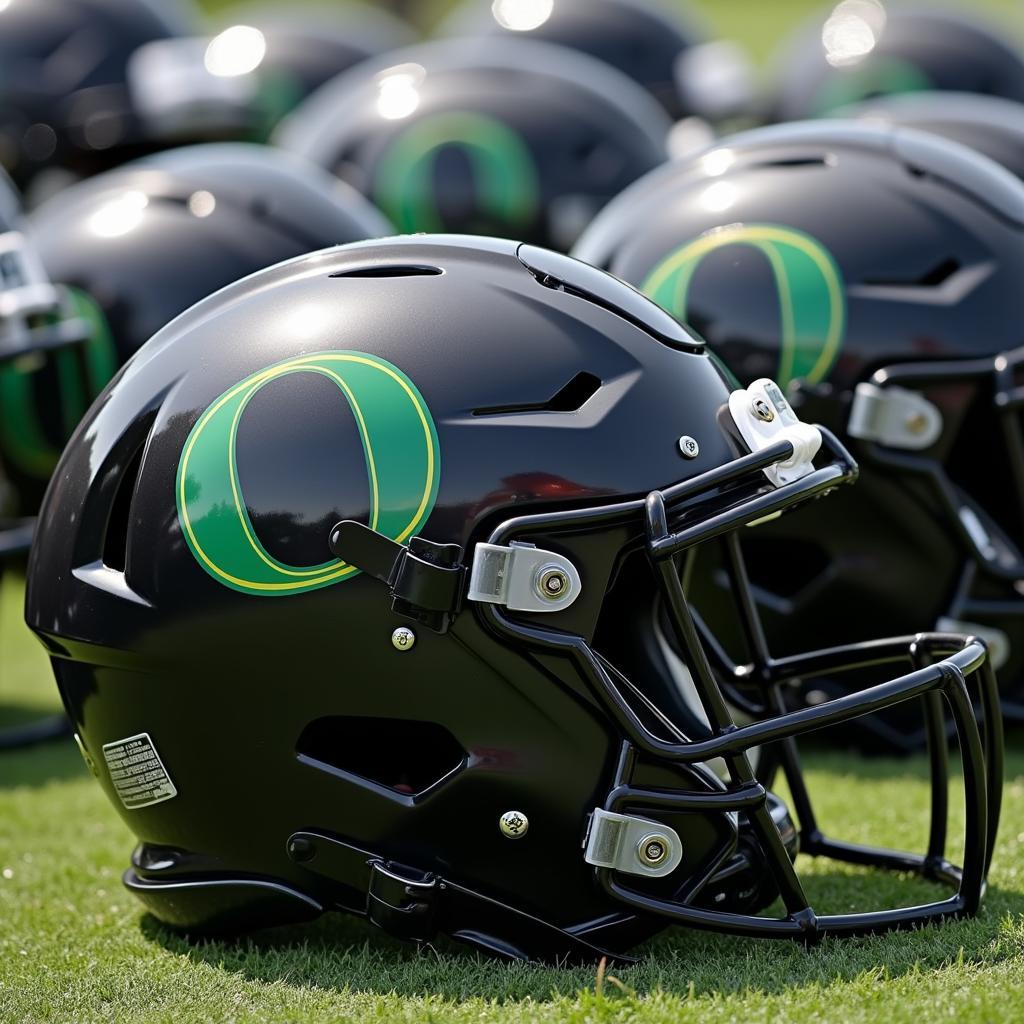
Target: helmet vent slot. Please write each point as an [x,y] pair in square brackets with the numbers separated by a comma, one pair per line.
[931,278]
[406,757]
[571,397]
[115,540]
[391,270]
[796,161]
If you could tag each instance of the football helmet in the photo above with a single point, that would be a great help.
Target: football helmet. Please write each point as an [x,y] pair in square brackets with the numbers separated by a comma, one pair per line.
[663,49]
[340,580]
[65,100]
[145,242]
[989,124]
[239,83]
[879,269]
[865,49]
[505,137]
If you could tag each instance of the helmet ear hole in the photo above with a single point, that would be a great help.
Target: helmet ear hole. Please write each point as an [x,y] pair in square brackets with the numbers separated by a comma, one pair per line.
[404,756]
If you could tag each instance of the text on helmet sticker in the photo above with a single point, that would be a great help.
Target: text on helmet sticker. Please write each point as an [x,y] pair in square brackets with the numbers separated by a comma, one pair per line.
[137,773]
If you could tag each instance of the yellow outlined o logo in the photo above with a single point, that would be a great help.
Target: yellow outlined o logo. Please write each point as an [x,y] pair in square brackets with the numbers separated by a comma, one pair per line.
[400,447]
[506,185]
[812,298]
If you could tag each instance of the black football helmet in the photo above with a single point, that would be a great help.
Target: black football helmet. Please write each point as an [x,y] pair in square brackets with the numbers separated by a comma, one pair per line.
[865,49]
[504,137]
[238,83]
[145,242]
[880,269]
[341,580]
[65,95]
[663,49]
[991,125]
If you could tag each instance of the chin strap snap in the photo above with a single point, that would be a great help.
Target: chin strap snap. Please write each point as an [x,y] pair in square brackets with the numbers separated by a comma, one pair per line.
[426,580]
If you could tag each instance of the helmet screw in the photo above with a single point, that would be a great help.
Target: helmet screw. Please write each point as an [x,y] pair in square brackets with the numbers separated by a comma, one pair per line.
[688,447]
[917,424]
[403,639]
[762,410]
[653,849]
[551,582]
[300,849]
[513,824]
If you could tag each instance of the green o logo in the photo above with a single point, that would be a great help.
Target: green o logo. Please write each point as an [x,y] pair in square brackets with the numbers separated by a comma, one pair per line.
[399,443]
[812,300]
[505,178]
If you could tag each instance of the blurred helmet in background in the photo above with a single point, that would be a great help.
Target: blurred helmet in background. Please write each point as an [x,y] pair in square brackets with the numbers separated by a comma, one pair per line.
[144,242]
[876,272]
[65,98]
[865,49]
[989,124]
[266,59]
[39,320]
[496,137]
[664,49]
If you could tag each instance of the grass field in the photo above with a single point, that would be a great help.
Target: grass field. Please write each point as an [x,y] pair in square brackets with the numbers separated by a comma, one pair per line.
[75,947]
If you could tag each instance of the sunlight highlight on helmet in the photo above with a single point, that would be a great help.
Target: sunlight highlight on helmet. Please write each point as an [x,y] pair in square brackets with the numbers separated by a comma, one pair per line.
[718,197]
[852,31]
[236,51]
[398,91]
[119,216]
[522,15]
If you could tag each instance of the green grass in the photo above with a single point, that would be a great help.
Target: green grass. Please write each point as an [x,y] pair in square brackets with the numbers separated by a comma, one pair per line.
[74,946]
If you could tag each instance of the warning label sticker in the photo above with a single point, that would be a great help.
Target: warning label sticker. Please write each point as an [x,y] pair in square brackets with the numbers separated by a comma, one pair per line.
[137,772]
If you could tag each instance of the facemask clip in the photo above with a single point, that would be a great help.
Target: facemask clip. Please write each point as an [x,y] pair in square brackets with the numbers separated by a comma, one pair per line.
[764,417]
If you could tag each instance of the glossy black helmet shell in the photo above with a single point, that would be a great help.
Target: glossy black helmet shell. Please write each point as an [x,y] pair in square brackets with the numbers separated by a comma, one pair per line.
[864,49]
[75,112]
[238,83]
[990,124]
[151,239]
[307,44]
[643,39]
[504,137]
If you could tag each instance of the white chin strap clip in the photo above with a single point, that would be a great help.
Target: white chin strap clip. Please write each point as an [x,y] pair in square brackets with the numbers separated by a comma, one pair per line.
[764,417]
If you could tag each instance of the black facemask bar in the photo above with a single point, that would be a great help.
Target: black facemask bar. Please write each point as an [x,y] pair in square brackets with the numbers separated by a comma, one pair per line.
[941,666]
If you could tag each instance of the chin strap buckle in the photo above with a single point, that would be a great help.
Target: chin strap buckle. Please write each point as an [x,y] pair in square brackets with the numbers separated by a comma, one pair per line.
[418,905]
[401,905]
[426,580]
